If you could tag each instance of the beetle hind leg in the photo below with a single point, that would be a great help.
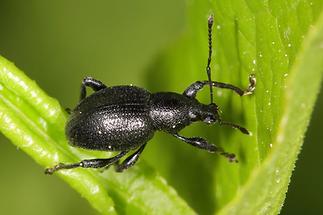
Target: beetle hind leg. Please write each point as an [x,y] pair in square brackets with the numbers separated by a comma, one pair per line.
[129,161]
[92,163]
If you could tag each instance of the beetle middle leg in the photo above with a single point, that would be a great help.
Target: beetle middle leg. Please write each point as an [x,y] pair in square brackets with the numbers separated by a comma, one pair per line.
[232,125]
[129,161]
[90,82]
[92,163]
[203,144]
[194,88]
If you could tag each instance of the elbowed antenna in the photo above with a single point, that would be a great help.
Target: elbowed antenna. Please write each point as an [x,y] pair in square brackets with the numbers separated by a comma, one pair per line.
[208,68]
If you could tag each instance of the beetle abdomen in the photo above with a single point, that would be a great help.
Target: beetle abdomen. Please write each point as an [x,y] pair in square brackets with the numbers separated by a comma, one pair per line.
[112,127]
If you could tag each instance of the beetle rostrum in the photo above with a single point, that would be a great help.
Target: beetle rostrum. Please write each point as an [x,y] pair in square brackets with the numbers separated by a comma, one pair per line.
[125,118]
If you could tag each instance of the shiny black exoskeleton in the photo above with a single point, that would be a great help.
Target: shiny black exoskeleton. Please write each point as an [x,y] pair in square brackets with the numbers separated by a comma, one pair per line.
[125,118]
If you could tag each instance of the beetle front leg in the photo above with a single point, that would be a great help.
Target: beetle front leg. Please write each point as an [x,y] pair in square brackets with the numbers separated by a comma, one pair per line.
[90,82]
[232,125]
[129,161]
[194,88]
[203,144]
[92,163]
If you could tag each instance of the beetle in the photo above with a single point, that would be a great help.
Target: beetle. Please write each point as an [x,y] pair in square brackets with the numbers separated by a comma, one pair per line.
[124,118]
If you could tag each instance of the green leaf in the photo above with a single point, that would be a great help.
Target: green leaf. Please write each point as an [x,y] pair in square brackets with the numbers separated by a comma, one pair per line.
[279,41]
[268,184]
[35,123]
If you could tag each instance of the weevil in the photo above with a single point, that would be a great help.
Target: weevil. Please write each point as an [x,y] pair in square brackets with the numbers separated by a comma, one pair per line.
[125,118]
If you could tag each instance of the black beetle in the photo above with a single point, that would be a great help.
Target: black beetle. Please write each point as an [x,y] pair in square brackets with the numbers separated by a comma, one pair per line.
[124,118]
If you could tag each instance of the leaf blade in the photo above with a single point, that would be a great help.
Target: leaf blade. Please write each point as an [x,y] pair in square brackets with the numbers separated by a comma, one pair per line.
[262,37]
[33,121]
[301,85]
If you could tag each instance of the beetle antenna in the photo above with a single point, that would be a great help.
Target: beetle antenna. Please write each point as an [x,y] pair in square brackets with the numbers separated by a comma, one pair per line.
[242,129]
[208,68]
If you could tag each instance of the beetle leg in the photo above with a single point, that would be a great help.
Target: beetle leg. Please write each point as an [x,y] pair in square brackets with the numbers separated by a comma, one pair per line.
[193,89]
[92,163]
[129,161]
[203,144]
[242,129]
[90,82]
[68,111]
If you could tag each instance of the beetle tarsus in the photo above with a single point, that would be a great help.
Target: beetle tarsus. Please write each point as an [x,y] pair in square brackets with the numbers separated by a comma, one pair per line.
[252,85]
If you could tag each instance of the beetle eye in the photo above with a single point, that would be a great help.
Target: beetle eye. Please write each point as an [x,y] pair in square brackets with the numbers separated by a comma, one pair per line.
[209,119]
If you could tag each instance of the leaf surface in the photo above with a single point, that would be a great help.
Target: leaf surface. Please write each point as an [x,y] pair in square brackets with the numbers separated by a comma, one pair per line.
[35,123]
[280,42]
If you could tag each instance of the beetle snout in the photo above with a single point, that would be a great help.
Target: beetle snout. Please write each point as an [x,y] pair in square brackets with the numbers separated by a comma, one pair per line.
[210,114]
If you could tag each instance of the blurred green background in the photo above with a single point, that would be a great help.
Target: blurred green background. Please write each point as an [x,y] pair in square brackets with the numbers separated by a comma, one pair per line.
[57,43]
